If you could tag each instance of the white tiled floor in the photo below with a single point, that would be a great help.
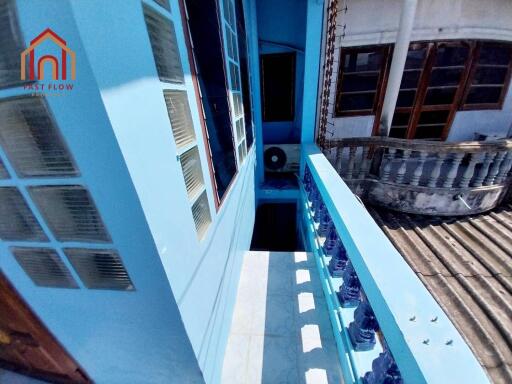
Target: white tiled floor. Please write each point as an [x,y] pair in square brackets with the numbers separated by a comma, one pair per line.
[280,331]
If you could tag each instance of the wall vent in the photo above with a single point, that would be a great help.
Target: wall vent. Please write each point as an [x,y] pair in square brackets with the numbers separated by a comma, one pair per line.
[44,267]
[3,172]
[31,139]
[191,167]
[70,213]
[100,268]
[16,219]
[201,213]
[181,119]
[11,45]
[165,46]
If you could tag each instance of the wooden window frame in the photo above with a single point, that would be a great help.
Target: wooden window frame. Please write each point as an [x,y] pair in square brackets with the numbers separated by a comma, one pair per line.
[386,50]
[505,87]
[419,106]
[460,96]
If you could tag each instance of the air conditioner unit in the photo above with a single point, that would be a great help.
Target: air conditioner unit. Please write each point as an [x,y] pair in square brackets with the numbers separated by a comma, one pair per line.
[281,157]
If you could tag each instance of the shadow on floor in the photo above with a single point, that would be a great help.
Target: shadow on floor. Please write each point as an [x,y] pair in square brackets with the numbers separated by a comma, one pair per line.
[281,331]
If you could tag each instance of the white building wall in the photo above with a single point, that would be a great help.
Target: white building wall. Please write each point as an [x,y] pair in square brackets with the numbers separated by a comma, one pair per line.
[370,22]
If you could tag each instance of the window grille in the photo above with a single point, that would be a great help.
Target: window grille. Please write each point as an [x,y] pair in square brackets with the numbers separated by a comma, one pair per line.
[201,213]
[11,45]
[16,219]
[165,47]
[181,119]
[31,139]
[44,267]
[70,213]
[100,268]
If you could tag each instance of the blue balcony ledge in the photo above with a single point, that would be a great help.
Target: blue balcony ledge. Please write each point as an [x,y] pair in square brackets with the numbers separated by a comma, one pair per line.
[414,330]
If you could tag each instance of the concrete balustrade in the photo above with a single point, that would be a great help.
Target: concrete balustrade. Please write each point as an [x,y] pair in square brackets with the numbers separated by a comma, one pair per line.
[425,177]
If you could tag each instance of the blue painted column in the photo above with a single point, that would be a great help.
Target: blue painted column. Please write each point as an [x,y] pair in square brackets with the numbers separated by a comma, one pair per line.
[312,52]
[254,67]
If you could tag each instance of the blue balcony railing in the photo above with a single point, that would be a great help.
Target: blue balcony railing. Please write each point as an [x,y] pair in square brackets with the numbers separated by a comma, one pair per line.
[388,328]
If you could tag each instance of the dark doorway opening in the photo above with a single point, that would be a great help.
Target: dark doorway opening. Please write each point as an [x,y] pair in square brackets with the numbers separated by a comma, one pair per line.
[278,86]
[276,228]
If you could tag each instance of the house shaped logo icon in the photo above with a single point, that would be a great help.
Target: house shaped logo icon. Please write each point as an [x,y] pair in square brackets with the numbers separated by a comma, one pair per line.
[56,74]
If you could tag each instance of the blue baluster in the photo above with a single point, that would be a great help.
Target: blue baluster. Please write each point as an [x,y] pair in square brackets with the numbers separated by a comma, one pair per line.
[350,291]
[319,211]
[338,261]
[325,223]
[313,193]
[307,180]
[362,329]
[331,241]
[384,371]
[316,199]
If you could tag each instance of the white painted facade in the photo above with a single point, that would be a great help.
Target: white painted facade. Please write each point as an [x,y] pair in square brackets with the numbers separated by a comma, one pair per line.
[376,22]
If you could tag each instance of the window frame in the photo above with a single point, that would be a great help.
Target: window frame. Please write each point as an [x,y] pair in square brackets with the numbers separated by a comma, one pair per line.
[376,109]
[459,99]
[464,106]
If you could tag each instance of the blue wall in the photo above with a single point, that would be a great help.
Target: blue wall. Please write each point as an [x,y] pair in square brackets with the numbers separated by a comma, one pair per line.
[203,274]
[118,337]
[282,28]
[174,327]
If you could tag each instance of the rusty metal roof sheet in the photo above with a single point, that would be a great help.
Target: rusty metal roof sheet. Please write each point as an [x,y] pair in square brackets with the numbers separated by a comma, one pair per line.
[466,263]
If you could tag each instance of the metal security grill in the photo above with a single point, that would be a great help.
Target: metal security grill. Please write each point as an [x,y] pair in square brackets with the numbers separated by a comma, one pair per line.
[164,3]
[191,167]
[181,119]
[16,219]
[70,213]
[31,139]
[165,47]
[100,268]
[3,172]
[201,213]
[11,44]
[44,267]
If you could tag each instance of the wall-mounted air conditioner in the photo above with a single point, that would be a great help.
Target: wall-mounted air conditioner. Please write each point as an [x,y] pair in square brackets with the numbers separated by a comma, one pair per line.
[282,157]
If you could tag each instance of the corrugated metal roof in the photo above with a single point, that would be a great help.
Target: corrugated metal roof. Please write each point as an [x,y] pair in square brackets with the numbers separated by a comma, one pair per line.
[466,263]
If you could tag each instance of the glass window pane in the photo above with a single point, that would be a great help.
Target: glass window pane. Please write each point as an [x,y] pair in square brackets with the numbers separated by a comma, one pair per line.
[398,132]
[181,119]
[360,82]
[430,132]
[495,54]
[100,268]
[410,79]
[192,172]
[451,55]
[440,96]
[16,219]
[31,139]
[363,61]
[405,99]
[70,213]
[445,76]
[433,117]
[400,119]
[11,44]
[201,214]
[357,101]
[415,58]
[204,30]
[484,95]
[490,75]
[44,266]
[165,46]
